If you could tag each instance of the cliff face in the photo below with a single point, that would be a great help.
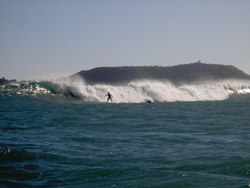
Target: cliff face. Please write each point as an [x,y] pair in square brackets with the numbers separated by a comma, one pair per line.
[177,74]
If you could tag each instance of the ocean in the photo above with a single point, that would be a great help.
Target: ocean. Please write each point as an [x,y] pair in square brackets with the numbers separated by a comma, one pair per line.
[67,135]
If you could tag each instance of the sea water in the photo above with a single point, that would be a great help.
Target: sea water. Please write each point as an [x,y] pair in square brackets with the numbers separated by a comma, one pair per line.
[55,140]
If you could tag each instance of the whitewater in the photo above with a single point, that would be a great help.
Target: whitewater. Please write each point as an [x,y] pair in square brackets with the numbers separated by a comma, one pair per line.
[161,91]
[137,91]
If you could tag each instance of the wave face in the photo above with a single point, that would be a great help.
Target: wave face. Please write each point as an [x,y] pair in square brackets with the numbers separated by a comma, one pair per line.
[135,92]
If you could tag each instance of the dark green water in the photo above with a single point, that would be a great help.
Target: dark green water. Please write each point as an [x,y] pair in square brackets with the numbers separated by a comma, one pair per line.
[57,142]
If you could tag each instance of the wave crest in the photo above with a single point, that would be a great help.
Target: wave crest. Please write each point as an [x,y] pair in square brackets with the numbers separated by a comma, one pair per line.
[159,91]
[134,92]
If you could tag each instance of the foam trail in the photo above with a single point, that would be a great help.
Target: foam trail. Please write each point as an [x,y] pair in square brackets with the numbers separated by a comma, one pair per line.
[160,91]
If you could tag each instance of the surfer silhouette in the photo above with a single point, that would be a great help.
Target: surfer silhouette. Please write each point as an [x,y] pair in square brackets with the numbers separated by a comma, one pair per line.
[109,96]
[149,101]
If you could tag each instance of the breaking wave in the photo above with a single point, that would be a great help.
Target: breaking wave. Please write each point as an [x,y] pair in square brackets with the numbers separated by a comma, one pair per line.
[137,91]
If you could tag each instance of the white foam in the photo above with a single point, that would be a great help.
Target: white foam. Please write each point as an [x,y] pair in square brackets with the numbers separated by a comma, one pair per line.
[161,91]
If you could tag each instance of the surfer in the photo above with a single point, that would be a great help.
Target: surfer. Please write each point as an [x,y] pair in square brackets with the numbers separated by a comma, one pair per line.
[149,101]
[109,96]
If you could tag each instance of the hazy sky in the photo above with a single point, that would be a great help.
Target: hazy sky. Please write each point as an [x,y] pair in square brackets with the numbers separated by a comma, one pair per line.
[44,38]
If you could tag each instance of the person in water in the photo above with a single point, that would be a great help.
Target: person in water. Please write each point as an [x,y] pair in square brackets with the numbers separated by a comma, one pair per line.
[109,97]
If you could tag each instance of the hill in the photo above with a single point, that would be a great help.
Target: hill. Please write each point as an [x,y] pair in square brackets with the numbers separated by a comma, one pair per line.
[177,74]
[4,81]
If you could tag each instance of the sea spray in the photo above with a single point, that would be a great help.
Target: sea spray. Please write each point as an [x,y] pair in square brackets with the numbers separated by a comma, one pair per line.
[157,91]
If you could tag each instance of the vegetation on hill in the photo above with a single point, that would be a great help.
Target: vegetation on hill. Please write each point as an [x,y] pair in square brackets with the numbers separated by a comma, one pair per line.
[177,74]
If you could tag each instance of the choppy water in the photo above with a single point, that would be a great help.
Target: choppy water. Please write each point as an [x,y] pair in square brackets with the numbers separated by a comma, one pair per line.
[52,141]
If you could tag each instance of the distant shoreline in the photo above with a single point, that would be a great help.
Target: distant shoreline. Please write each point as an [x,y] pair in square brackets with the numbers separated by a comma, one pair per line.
[179,74]
[4,81]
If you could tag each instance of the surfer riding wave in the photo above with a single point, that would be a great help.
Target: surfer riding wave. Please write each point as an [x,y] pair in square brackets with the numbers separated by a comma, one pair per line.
[109,97]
